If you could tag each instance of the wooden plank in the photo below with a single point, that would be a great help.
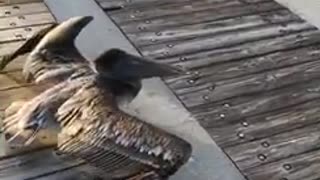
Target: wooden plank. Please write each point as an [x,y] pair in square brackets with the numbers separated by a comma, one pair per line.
[241,108]
[34,165]
[170,9]
[22,9]
[187,18]
[27,20]
[236,53]
[247,66]
[254,83]
[224,40]
[19,33]
[267,124]
[211,28]
[304,166]
[136,4]
[281,146]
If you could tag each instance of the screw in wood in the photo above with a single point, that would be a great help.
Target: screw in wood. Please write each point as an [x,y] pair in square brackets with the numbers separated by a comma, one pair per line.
[212,88]
[21,17]
[158,33]
[147,22]
[287,167]
[15,7]
[13,24]
[183,58]
[265,144]
[191,81]
[245,124]
[170,45]
[28,29]
[241,135]
[206,98]
[262,157]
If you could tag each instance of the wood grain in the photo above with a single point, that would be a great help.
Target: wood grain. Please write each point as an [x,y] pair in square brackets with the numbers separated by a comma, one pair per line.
[22,9]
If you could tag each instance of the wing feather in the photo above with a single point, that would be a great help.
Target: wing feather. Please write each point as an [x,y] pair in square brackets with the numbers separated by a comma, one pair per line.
[107,138]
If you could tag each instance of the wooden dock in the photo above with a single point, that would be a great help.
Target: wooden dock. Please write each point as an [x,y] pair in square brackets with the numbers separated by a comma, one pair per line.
[253,82]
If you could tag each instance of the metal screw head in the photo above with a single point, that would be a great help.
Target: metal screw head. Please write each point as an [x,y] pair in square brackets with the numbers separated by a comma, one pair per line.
[7,12]
[183,58]
[226,105]
[206,98]
[15,7]
[262,157]
[147,22]
[132,16]
[287,167]
[158,33]
[141,28]
[265,144]
[13,24]
[28,29]
[222,116]
[18,35]
[21,17]
[241,135]
[170,45]
[191,81]
[245,124]
[212,88]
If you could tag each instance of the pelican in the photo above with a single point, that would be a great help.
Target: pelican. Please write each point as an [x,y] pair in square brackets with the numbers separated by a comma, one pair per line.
[93,129]
[53,54]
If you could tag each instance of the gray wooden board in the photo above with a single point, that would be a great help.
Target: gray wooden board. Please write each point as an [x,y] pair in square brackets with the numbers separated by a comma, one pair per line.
[208,161]
[278,121]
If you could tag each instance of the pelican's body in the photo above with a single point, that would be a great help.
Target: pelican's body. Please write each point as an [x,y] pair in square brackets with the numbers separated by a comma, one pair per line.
[92,127]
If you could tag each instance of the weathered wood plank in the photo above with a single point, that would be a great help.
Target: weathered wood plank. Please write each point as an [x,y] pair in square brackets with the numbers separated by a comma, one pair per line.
[19,33]
[240,108]
[235,53]
[304,166]
[7,48]
[187,18]
[224,40]
[212,28]
[22,9]
[247,66]
[170,9]
[26,20]
[254,83]
[137,4]
[267,124]
[34,165]
[281,146]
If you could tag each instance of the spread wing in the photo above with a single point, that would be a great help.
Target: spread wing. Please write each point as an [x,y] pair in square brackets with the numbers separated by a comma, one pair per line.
[119,145]
[26,47]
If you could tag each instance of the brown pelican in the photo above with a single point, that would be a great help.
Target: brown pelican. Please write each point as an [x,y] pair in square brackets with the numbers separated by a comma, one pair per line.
[92,128]
[53,53]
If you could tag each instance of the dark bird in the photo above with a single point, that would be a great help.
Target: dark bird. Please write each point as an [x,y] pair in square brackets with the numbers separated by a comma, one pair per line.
[53,53]
[92,128]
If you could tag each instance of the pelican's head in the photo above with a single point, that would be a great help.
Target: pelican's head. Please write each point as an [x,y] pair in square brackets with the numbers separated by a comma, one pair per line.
[128,70]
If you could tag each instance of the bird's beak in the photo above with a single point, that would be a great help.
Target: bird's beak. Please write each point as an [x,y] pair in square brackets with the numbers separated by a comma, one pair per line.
[125,66]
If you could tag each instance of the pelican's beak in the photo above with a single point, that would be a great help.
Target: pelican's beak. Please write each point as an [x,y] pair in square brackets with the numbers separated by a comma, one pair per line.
[125,66]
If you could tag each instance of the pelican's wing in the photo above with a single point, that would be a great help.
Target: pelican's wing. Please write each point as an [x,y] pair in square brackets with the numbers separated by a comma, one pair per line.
[25,47]
[119,145]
